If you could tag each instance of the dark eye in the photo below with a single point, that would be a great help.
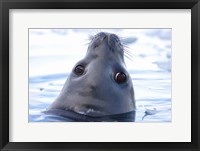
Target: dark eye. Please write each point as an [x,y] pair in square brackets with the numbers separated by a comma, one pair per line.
[79,69]
[120,77]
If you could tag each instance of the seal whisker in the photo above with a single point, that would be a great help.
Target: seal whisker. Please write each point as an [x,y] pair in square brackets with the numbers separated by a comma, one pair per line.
[94,34]
[97,30]
[90,37]
[128,50]
[128,54]
[128,57]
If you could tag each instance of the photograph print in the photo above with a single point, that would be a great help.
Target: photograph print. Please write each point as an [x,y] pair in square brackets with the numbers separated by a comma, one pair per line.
[100,75]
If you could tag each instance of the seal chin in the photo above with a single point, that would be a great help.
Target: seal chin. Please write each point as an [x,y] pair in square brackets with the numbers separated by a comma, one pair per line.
[99,84]
[90,112]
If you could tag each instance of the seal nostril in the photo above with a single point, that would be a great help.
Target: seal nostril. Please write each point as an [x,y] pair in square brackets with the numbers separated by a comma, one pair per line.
[101,34]
[113,41]
[99,38]
[114,37]
[96,43]
[104,37]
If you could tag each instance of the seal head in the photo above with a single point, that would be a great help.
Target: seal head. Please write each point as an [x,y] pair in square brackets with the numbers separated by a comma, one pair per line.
[99,84]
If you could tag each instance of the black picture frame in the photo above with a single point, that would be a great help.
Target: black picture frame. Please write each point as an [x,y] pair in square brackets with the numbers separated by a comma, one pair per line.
[5,5]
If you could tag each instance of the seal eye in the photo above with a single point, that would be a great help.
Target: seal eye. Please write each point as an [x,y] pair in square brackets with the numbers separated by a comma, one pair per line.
[79,69]
[120,77]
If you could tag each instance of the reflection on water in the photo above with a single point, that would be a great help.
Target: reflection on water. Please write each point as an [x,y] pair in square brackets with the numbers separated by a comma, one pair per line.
[53,53]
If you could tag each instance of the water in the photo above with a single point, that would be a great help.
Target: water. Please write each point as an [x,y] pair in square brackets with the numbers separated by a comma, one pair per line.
[53,53]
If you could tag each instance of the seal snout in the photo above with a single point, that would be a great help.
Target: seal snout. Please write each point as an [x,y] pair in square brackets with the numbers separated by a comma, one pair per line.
[113,41]
[108,39]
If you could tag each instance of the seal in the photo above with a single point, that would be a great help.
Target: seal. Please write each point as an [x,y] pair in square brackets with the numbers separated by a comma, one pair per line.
[99,87]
